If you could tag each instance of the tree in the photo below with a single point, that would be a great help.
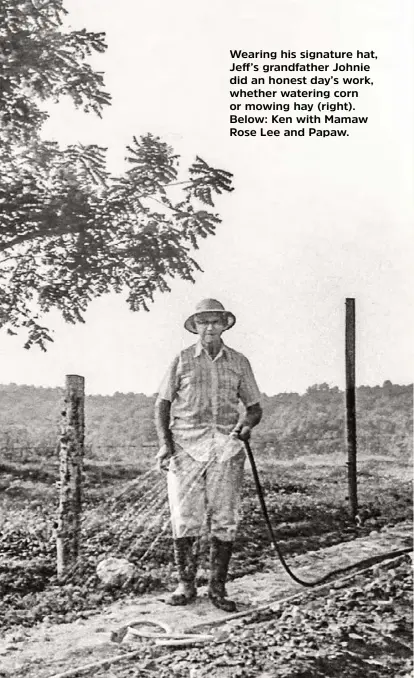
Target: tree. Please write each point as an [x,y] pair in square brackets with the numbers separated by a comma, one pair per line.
[69,231]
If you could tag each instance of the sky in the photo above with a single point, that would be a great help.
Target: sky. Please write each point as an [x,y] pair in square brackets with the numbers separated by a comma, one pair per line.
[310,223]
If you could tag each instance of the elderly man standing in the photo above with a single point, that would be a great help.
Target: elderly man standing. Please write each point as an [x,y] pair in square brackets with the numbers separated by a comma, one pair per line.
[201,425]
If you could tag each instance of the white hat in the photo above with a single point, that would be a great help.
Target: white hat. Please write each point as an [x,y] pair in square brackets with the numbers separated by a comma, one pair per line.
[209,306]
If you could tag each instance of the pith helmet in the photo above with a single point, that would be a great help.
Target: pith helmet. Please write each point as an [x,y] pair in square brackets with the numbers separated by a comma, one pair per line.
[209,306]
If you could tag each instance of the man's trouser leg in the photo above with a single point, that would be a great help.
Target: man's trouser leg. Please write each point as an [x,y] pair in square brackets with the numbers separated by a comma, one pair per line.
[186,494]
[224,486]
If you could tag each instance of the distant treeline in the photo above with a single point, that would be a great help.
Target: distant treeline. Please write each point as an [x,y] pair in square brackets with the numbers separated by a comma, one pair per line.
[292,425]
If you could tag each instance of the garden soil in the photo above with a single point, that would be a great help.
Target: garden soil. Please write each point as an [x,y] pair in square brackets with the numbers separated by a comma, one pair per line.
[47,650]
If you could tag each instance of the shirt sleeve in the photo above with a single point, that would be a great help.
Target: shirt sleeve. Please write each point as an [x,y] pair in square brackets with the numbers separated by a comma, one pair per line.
[249,392]
[169,385]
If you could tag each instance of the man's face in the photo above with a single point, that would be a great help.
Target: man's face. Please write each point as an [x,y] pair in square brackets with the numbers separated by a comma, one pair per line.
[210,327]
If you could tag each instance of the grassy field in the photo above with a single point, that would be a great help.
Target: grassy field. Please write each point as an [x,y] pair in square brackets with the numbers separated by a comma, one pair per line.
[125,514]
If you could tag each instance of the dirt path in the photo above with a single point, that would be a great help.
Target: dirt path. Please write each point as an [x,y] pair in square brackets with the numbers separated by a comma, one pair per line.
[45,650]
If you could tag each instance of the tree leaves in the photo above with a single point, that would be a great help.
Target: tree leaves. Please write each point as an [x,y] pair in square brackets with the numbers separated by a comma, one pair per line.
[153,164]
[312,424]
[69,231]
[207,180]
[41,62]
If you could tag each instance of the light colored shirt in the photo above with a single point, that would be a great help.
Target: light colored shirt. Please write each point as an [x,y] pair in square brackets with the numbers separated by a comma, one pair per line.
[205,396]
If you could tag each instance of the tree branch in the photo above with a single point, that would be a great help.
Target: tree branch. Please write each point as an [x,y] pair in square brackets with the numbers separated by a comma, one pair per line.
[32,236]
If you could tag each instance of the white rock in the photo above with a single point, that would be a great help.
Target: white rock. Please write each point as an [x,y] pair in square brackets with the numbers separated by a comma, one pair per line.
[115,571]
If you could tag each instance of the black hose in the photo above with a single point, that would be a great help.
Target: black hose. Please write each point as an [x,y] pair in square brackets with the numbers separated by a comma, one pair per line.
[302,582]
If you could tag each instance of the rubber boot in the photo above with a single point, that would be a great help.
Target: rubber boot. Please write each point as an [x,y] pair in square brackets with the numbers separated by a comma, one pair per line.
[220,554]
[186,556]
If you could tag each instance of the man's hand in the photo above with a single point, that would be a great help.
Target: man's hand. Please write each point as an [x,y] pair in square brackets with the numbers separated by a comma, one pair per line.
[163,457]
[245,433]
[250,420]
[242,433]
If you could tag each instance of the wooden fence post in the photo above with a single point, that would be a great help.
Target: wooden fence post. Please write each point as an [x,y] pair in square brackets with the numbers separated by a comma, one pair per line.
[350,405]
[71,471]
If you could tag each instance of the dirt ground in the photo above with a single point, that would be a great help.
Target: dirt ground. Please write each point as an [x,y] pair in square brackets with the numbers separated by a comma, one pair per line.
[402,472]
[47,650]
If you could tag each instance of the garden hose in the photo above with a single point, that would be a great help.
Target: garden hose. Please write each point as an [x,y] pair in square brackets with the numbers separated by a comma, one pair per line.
[292,575]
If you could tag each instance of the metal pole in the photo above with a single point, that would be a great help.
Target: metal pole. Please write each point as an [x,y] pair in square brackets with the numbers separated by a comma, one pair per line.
[350,405]
[71,471]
